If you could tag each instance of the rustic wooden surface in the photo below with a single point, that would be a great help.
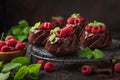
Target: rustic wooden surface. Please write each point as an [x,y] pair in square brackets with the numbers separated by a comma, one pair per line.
[71,71]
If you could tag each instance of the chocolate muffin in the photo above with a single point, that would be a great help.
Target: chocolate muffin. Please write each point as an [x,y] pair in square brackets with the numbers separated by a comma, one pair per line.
[39,33]
[62,42]
[96,35]
[77,22]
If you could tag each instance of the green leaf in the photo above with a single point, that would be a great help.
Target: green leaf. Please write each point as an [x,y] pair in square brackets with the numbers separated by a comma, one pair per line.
[23,23]
[75,15]
[1,65]
[36,25]
[17,31]
[4,76]
[34,70]
[91,24]
[22,37]
[97,54]
[55,30]
[52,37]
[56,18]
[85,53]
[10,66]
[22,72]
[22,60]
[26,30]
[100,24]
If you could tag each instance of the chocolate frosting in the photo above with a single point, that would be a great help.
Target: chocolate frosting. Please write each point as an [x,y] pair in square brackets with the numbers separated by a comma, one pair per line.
[99,40]
[38,37]
[63,46]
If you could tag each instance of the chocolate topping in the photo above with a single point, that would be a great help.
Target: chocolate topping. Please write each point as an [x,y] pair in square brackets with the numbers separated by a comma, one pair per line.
[38,37]
[63,46]
[93,41]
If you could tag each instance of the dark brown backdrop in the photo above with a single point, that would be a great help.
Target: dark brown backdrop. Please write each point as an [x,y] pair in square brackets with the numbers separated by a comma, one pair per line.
[107,11]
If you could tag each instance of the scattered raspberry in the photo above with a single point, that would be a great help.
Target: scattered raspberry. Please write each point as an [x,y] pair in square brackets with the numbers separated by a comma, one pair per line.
[61,33]
[2,43]
[86,70]
[68,30]
[42,63]
[20,46]
[5,48]
[117,67]
[79,19]
[88,28]
[45,26]
[49,67]
[9,37]
[70,20]
[103,28]
[11,42]
[95,29]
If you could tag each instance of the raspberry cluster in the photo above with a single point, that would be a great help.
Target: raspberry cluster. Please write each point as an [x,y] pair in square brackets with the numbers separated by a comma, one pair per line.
[11,44]
[45,26]
[66,31]
[75,19]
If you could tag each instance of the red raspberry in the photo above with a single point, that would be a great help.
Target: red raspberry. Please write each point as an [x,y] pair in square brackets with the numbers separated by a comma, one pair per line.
[70,20]
[117,67]
[61,33]
[95,29]
[47,25]
[11,42]
[58,21]
[86,70]
[68,30]
[103,28]
[41,27]
[79,19]
[49,67]
[42,63]
[87,28]
[2,43]
[5,48]
[9,37]
[12,48]
[20,46]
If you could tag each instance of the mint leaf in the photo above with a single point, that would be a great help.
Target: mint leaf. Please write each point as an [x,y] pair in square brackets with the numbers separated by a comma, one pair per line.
[91,24]
[75,15]
[1,65]
[26,30]
[97,54]
[36,25]
[4,76]
[34,70]
[10,66]
[55,30]
[22,60]
[21,73]
[23,23]
[52,37]
[85,53]
[17,31]
[100,24]
[22,37]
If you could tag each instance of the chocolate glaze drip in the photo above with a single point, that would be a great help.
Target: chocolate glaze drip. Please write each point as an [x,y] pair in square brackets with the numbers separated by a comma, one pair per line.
[38,37]
[63,46]
[93,41]
[78,28]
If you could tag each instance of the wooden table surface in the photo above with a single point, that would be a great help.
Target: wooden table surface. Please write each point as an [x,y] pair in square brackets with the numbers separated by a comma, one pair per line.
[71,71]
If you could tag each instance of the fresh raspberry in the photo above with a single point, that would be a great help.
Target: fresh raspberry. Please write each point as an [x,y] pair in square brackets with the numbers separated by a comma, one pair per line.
[11,42]
[49,66]
[42,63]
[87,28]
[20,46]
[41,27]
[12,48]
[95,29]
[86,70]
[61,33]
[103,28]
[2,43]
[58,21]
[79,19]
[70,20]
[9,37]
[47,25]
[68,30]
[5,48]
[117,67]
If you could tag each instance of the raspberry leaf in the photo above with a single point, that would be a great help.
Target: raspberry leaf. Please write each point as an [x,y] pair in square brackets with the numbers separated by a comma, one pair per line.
[97,54]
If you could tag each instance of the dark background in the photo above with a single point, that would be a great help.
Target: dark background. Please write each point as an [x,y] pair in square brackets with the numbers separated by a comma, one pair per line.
[11,11]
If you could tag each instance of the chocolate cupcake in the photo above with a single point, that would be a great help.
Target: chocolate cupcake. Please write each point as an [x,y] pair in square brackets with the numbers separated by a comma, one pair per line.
[62,42]
[96,35]
[58,21]
[39,33]
[77,22]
